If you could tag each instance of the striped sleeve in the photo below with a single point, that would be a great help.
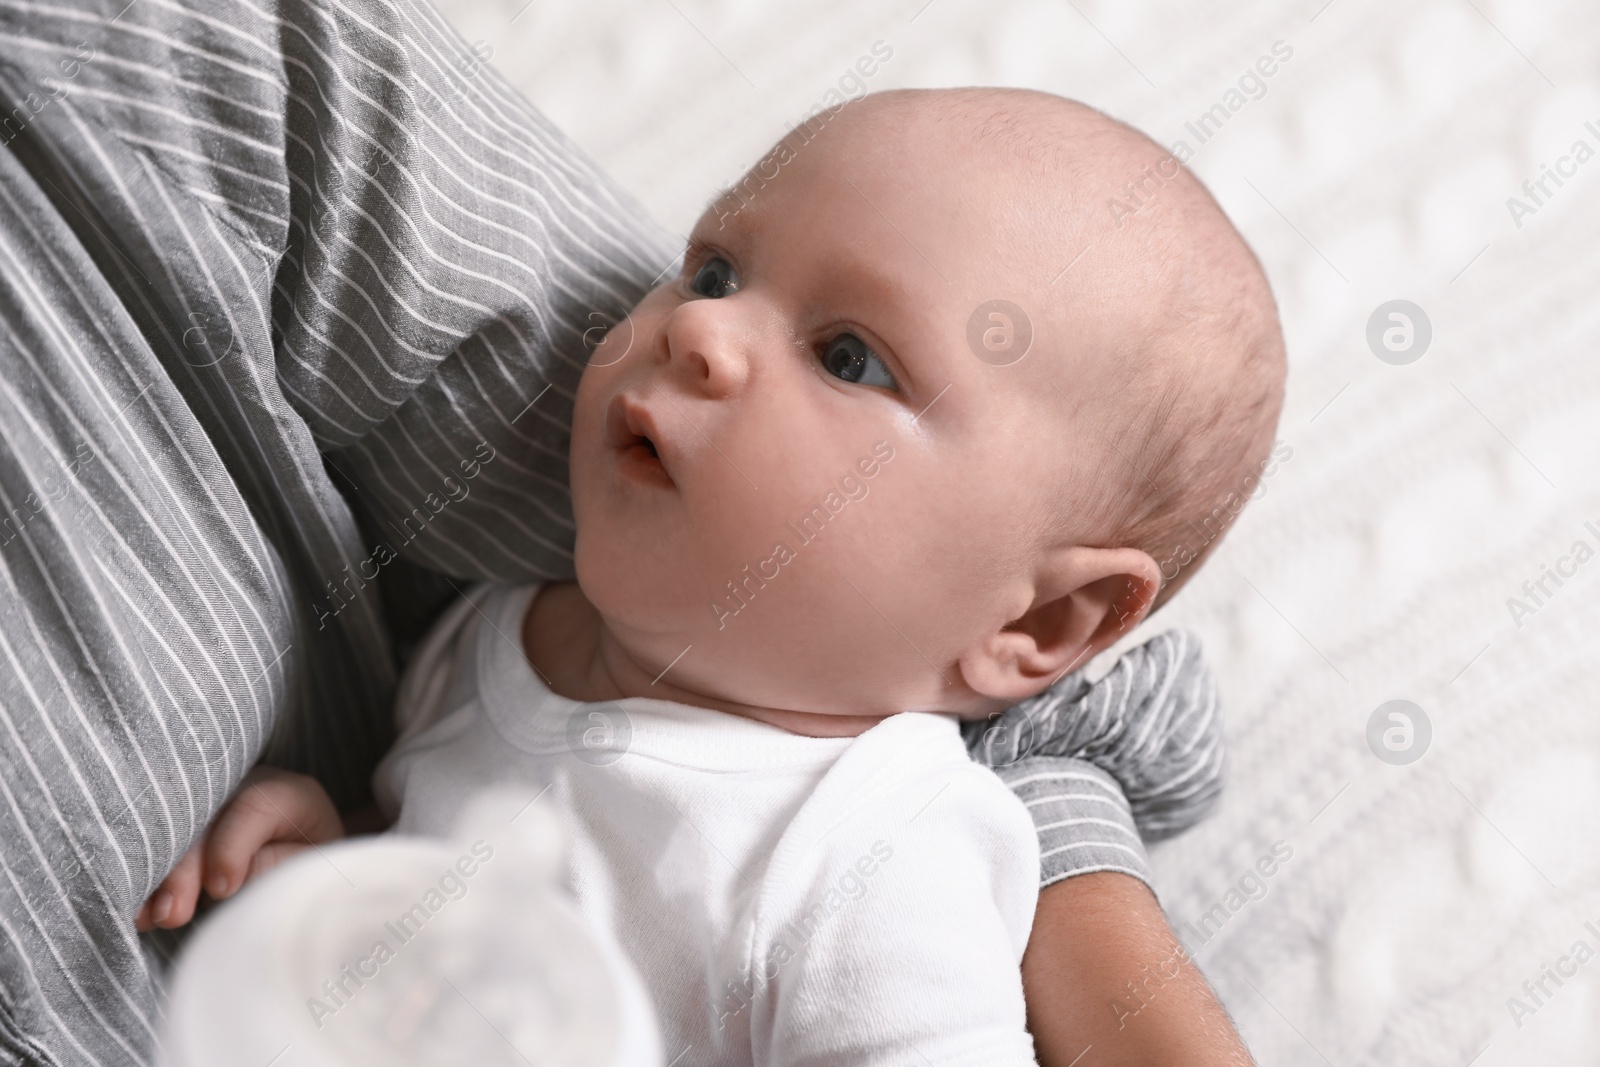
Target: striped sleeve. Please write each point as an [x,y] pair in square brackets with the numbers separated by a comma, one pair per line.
[1082,818]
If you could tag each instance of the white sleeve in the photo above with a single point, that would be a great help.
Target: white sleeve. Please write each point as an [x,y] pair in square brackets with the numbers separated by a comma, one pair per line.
[903,944]
[423,696]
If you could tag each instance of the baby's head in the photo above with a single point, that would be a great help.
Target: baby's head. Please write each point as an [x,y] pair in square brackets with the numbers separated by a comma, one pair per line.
[865,502]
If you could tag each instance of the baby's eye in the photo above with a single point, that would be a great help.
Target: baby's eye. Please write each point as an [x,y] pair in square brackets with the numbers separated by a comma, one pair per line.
[847,357]
[715,278]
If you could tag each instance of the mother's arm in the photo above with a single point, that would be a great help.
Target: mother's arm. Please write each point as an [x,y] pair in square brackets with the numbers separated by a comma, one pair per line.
[1104,767]
[1108,984]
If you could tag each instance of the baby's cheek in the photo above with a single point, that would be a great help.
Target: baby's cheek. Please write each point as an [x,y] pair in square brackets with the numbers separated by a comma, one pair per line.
[939,549]
[608,343]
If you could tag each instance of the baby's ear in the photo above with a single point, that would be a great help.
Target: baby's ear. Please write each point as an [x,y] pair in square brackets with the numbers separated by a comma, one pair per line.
[1084,599]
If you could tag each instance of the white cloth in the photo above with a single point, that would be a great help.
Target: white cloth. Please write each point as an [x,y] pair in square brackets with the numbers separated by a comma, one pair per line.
[788,900]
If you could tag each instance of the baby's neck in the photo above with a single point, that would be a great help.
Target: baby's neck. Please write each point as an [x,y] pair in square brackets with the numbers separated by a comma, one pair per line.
[567,642]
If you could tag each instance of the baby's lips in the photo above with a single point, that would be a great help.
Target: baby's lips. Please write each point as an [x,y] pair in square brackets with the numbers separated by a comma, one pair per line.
[629,422]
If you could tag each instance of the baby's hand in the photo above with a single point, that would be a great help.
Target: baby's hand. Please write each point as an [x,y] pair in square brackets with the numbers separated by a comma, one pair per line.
[274,815]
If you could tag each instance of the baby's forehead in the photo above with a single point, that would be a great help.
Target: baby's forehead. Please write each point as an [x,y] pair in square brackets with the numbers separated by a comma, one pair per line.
[959,199]
[874,206]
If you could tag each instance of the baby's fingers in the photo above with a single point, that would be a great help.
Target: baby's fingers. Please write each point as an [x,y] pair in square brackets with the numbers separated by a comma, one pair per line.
[172,904]
[271,806]
[272,855]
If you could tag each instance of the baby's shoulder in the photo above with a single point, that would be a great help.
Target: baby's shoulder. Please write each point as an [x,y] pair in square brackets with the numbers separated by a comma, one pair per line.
[904,840]
[908,785]
[905,756]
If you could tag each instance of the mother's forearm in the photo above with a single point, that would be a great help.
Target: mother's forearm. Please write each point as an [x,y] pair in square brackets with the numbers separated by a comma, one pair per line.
[1108,984]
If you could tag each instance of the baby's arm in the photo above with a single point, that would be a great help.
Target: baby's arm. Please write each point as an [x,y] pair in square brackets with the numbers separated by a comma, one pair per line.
[274,814]
[1093,935]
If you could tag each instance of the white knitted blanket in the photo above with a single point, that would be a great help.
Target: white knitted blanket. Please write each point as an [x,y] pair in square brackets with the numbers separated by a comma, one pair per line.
[1375,163]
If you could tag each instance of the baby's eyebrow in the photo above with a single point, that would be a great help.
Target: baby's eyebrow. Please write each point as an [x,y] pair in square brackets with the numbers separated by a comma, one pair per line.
[732,210]
[865,277]
[744,219]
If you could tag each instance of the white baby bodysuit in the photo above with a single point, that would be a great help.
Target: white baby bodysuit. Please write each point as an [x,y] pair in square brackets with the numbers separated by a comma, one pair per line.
[787,899]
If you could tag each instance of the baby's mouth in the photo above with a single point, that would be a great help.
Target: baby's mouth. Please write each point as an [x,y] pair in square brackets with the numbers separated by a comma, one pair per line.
[643,450]
[631,430]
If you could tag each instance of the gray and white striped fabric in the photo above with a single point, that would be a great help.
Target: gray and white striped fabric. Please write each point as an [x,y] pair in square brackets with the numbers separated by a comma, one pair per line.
[278,285]
[1107,766]
[294,298]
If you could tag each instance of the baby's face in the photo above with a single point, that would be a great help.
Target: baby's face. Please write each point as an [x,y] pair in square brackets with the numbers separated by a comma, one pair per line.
[789,461]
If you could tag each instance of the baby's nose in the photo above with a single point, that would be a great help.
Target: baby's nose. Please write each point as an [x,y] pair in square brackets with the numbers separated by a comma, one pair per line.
[701,342]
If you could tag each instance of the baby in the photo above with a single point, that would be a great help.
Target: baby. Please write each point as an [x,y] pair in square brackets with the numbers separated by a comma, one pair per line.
[901,446]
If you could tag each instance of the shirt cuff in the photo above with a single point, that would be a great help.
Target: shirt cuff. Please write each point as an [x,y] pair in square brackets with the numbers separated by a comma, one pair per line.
[1082,818]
